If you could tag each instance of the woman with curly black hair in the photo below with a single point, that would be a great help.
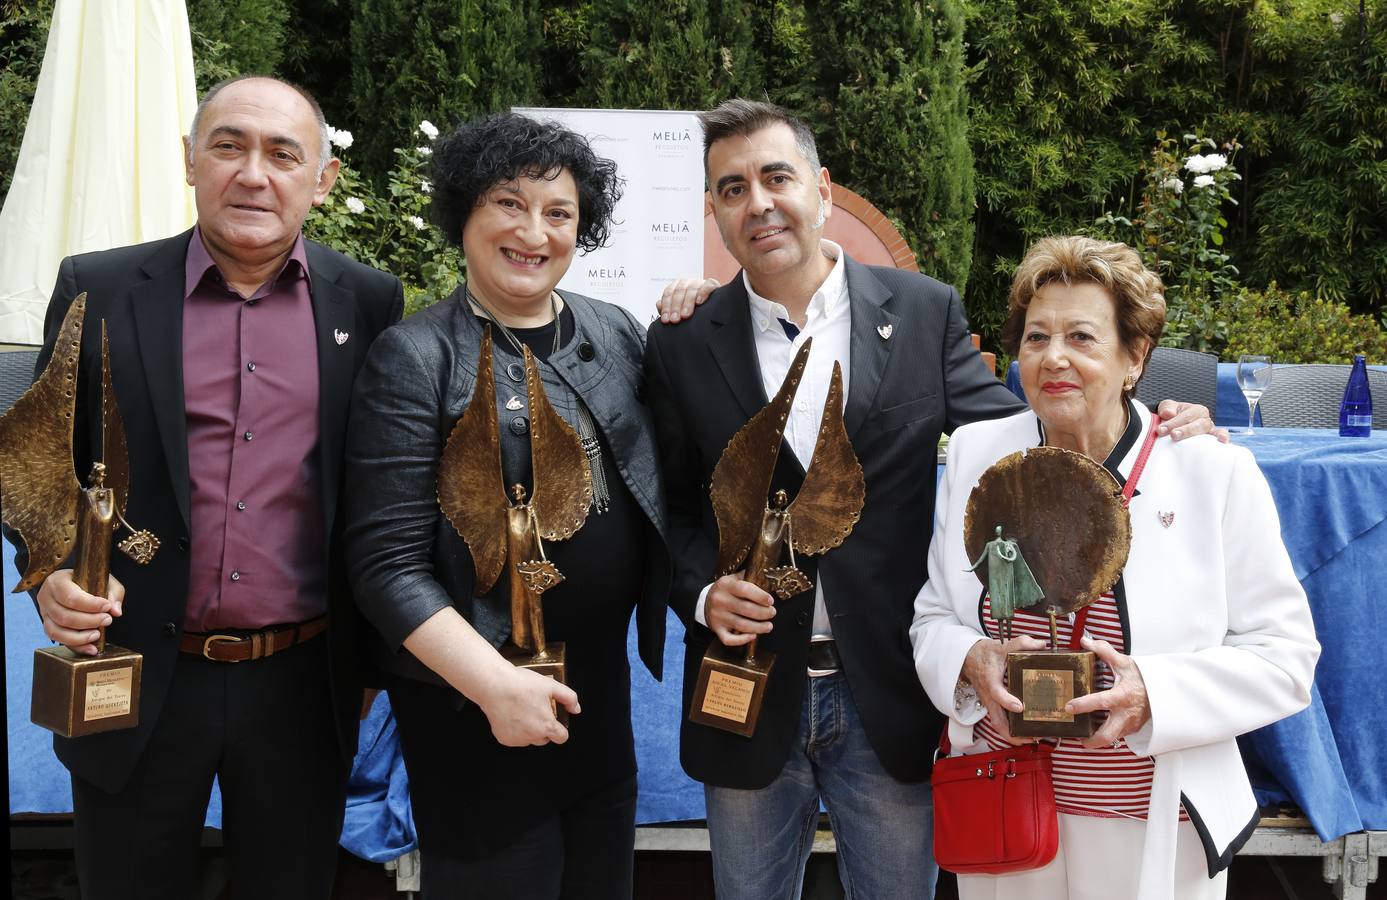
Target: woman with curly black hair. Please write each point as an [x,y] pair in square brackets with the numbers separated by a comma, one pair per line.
[508,802]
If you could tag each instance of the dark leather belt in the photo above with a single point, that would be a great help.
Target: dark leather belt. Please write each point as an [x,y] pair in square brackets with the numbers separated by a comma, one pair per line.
[823,656]
[231,648]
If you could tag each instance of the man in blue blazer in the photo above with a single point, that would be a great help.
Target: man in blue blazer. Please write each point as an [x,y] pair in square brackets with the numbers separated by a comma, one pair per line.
[233,351]
[844,718]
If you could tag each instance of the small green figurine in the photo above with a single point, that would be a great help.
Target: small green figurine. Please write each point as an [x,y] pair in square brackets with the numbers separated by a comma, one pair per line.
[1010,583]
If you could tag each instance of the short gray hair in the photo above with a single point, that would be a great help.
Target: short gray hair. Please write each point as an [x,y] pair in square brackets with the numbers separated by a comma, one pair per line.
[738,117]
[324,144]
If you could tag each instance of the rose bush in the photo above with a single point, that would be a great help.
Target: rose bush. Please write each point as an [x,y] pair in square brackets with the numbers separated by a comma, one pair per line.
[388,228]
[1179,229]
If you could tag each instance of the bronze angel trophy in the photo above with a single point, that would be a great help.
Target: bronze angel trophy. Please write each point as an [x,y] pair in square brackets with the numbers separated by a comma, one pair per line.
[1066,511]
[505,529]
[58,520]
[754,533]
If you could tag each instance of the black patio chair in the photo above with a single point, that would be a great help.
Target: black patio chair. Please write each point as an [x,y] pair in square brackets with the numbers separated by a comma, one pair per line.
[1308,396]
[1185,375]
[16,374]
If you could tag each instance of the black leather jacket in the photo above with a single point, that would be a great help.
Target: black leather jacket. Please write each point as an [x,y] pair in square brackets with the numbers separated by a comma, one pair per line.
[405,560]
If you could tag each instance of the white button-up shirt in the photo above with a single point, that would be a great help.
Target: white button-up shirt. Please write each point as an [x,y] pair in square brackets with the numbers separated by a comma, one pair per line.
[829,323]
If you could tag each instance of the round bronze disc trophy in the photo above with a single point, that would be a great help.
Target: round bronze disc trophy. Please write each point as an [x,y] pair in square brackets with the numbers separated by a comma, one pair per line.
[1050,519]
[508,531]
[754,533]
[62,522]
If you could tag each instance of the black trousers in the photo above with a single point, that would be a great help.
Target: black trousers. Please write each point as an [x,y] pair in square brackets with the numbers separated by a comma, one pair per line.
[265,730]
[582,851]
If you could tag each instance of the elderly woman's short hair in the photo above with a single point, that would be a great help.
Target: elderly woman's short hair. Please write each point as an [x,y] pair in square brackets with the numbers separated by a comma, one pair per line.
[477,156]
[1137,293]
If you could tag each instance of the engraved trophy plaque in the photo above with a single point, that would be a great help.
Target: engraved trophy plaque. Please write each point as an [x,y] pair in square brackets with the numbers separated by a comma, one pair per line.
[506,530]
[753,534]
[58,519]
[1047,522]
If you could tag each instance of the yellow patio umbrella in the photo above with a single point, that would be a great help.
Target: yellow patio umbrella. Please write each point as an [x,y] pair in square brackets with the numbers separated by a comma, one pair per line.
[101,164]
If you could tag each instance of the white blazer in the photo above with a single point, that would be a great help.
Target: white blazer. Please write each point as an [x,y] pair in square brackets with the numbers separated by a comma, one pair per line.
[1216,622]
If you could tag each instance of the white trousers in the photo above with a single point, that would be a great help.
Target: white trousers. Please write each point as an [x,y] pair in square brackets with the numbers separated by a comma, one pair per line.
[1099,859]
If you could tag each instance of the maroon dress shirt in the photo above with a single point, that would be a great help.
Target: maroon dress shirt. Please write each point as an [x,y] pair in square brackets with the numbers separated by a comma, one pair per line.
[250,387]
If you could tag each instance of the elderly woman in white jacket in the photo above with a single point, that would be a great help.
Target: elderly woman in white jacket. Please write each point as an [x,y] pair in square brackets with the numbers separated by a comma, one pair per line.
[1206,635]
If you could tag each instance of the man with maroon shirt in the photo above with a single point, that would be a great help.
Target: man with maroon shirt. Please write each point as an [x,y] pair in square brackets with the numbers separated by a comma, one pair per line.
[233,350]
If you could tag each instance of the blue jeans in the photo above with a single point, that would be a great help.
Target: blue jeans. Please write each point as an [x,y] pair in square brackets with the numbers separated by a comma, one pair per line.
[883,828]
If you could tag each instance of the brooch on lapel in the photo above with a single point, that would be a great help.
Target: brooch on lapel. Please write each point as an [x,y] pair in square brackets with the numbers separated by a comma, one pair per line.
[340,336]
[884,331]
[1167,518]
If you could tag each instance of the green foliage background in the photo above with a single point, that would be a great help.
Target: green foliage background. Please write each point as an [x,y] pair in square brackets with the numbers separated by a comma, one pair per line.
[976,125]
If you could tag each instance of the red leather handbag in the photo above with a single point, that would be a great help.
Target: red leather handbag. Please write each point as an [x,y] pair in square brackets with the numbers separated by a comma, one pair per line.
[994,813]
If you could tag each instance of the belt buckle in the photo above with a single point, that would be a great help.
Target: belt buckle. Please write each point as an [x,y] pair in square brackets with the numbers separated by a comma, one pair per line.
[219,639]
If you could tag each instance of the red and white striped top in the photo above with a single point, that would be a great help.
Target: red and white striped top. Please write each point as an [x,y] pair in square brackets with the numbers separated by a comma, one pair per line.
[1109,782]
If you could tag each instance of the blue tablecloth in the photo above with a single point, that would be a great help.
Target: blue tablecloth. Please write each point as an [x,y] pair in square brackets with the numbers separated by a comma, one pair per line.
[1331,759]
[1331,495]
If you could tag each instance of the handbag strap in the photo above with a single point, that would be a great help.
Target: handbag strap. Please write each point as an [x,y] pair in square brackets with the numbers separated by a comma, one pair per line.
[1128,490]
[1077,634]
[1130,487]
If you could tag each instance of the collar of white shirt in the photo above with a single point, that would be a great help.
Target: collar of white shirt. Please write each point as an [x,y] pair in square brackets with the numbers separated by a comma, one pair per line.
[825,302]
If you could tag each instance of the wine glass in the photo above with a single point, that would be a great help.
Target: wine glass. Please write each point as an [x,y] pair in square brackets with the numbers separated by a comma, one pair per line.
[1254,377]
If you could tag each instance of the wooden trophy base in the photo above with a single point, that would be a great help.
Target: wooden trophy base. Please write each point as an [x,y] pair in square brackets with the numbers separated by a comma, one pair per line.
[730,689]
[77,695]
[1045,680]
[551,665]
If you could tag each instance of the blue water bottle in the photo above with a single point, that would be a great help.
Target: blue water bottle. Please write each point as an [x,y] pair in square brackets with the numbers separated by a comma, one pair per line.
[1356,412]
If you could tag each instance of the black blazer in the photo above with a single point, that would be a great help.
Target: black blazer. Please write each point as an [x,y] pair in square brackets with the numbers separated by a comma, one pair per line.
[139,291]
[703,383]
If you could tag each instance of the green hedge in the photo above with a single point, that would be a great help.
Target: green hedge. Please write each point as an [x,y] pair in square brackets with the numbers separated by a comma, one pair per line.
[976,125]
[440,60]
[1300,328]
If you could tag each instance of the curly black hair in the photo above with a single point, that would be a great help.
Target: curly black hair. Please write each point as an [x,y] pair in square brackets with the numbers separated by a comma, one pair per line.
[477,156]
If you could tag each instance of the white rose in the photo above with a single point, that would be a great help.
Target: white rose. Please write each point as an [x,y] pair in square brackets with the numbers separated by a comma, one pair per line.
[428,129]
[1197,164]
[425,151]
[417,222]
[426,186]
[1215,161]
[1202,181]
[1173,184]
[355,206]
[341,138]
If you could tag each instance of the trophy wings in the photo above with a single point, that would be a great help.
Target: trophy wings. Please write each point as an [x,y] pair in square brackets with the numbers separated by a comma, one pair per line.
[41,492]
[742,477]
[1066,513]
[830,500]
[561,478]
[471,489]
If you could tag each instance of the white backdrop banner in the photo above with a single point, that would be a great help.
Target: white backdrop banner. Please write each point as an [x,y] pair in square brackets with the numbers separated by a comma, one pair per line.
[657,234]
